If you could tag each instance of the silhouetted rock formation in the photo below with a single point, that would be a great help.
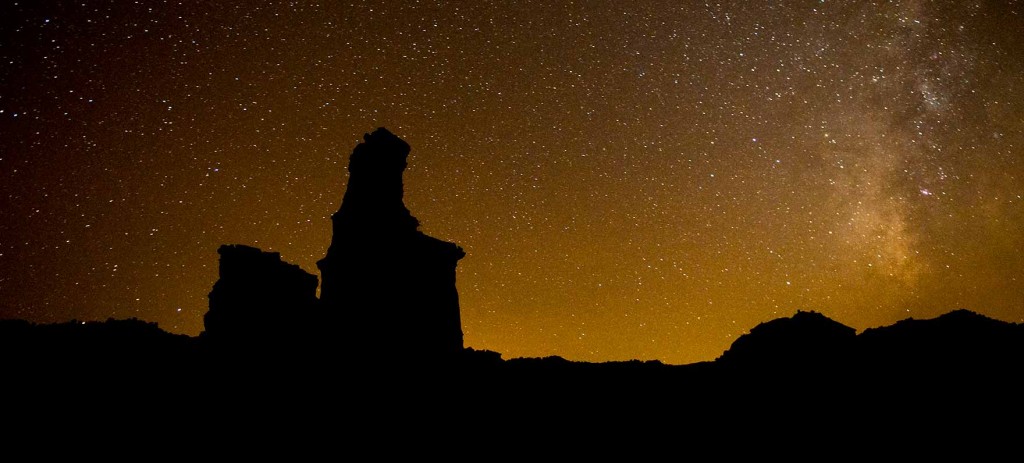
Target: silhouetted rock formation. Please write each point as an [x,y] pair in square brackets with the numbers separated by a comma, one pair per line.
[808,340]
[390,287]
[957,351]
[388,290]
[957,343]
[260,302]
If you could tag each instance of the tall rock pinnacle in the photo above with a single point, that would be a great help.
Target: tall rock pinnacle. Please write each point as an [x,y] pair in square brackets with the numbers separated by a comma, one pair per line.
[390,287]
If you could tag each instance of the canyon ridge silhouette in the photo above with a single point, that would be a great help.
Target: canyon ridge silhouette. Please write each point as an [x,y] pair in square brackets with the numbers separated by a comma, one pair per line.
[387,324]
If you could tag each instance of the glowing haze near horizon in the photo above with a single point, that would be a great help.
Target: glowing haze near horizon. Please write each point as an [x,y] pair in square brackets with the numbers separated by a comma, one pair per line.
[630,180]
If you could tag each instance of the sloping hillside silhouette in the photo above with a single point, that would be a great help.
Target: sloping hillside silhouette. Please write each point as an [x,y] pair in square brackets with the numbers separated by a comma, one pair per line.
[961,345]
[808,339]
[113,347]
[957,342]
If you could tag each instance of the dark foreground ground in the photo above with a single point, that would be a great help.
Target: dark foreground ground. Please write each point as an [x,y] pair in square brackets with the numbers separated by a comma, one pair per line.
[953,381]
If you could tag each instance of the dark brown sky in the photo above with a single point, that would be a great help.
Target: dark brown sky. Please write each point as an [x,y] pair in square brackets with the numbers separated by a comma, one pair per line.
[629,179]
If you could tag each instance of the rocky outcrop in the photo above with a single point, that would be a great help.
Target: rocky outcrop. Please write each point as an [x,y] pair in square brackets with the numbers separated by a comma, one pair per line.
[954,343]
[807,340]
[260,301]
[389,287]
[958,349]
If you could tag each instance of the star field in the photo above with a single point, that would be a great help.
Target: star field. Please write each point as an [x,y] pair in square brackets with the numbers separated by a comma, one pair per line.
[630,180]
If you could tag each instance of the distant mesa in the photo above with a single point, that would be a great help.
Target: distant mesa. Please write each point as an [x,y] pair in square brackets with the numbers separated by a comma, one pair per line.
[388,289]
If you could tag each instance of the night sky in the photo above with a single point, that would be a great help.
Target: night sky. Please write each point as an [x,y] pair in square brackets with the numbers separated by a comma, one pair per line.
[630,180]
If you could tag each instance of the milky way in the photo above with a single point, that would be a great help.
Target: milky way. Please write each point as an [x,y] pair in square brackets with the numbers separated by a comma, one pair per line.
[630,180]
